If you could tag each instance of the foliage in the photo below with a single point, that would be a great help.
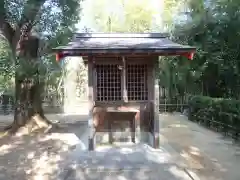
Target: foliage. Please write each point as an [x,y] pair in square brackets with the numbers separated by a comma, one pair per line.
[6,67]
[120,16]
[213,27]
[172,10]
[31,28]
[52,21]
[5,58]
[222,114]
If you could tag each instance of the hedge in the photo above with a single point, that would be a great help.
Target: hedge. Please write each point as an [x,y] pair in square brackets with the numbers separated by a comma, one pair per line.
[216,113]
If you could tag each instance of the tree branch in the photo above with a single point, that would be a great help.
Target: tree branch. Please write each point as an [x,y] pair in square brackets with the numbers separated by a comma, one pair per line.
[27,20]
[30,12]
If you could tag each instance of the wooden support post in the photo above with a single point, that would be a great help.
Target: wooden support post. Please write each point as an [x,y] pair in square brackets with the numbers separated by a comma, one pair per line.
[156,107]
[133,129]
[91,142]
[110,134]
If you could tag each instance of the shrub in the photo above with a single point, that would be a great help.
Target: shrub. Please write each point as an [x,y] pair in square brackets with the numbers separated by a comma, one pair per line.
[217,113]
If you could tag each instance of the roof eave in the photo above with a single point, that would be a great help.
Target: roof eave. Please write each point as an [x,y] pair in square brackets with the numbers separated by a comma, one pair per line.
[187,52]
[121,50]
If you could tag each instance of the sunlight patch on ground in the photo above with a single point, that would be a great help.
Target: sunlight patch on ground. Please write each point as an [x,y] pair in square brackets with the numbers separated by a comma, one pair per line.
[126,150]
[191,161]
[4,149]
[68,138]
[7,147]
[46,164]
[103,148]
[39,156]
[155,155]
[178,125]
[194,151]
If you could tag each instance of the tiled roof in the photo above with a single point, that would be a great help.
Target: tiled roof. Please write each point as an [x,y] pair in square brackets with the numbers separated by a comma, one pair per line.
[107,43]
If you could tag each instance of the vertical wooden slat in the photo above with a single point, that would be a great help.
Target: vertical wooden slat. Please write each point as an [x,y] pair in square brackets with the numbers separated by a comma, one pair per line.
[91,104]
[156,107]
[125,95]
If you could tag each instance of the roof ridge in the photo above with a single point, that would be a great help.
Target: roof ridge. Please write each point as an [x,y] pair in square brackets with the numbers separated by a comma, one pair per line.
[120,35]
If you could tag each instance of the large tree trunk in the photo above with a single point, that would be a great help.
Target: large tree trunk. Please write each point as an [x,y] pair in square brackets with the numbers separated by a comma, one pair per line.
[25,46]
[28,114]
[28,105]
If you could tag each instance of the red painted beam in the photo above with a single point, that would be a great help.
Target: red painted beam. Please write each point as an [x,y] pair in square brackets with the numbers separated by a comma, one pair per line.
[188,55]
[58,57]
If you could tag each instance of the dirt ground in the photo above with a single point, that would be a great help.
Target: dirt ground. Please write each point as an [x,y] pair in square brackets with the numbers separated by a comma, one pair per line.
[37,157]
[207,153]
[58,155]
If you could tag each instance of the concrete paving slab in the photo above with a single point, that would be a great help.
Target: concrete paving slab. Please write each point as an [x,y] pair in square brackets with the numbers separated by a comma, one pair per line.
[138,161]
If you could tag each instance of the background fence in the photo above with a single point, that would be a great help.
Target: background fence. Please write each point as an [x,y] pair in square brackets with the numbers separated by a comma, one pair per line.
[51,104]
[226,123]
[54,104]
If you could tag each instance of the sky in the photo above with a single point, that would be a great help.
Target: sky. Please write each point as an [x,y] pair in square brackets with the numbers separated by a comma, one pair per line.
[115,6]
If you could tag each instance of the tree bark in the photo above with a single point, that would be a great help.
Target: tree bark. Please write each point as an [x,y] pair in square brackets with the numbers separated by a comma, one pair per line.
[28,105]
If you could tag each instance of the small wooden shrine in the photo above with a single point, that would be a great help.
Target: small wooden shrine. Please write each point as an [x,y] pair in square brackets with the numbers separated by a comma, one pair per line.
[122,81]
